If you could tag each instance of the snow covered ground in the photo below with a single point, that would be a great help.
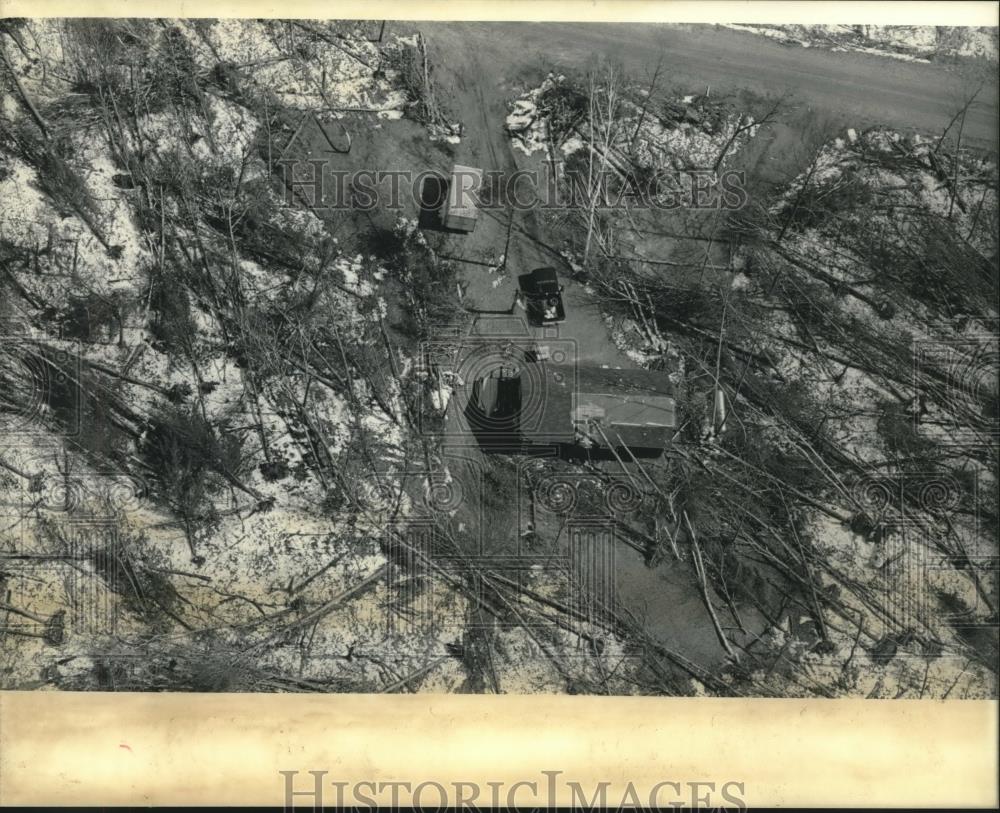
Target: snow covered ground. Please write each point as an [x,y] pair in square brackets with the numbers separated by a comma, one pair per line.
[688,133]
[281,563]
[906,42]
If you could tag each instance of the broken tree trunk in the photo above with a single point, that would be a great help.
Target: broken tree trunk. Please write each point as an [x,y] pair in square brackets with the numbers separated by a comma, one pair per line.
[699,566]
[42,125]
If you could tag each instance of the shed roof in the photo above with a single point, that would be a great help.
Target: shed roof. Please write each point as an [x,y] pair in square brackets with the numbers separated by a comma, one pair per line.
[633,408]
[463,191]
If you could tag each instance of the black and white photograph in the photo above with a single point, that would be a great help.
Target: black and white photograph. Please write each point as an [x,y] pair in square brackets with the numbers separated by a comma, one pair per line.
[378,356]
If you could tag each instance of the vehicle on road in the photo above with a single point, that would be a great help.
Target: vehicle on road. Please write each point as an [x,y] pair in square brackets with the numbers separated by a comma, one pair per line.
[542,295]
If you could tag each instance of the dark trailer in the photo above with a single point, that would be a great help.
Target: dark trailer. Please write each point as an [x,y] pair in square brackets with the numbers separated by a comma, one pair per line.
[580,409]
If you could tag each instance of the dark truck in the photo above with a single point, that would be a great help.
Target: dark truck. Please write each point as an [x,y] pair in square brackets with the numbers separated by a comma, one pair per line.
[542,296]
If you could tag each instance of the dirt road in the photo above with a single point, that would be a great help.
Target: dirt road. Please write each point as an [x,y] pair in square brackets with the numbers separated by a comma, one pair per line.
[479,67]
[664,597]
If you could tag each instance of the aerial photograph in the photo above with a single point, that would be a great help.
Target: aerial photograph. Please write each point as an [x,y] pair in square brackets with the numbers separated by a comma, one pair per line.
[384,356]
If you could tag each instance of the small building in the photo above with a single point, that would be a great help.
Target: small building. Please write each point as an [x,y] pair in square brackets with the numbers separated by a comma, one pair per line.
[581,409]
[460,211]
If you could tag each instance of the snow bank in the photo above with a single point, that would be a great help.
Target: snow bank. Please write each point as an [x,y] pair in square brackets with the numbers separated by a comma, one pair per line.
[910,43]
